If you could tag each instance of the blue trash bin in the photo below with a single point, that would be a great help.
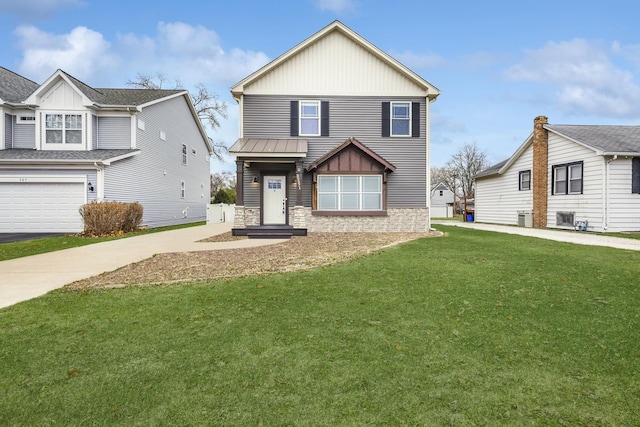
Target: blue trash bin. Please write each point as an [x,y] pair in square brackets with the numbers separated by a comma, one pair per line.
[470,216]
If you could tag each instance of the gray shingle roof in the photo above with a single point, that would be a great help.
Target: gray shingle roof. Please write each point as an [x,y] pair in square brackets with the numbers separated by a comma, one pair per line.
[17,155]
[14,88]
[604,138]
[491,170]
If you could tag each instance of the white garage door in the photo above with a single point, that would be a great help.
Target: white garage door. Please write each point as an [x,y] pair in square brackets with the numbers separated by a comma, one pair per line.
[40,207]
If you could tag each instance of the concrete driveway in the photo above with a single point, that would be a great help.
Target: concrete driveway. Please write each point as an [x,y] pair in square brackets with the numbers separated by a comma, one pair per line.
[577,237]
[29,277]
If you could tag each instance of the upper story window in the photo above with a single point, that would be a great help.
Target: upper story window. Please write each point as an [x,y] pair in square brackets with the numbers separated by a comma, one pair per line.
[309,118]
[63,128]
[525,180]
[567,178]
[184,154]
[401,119]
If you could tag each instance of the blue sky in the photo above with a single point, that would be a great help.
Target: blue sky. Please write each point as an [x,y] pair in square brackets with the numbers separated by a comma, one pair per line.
[498,64]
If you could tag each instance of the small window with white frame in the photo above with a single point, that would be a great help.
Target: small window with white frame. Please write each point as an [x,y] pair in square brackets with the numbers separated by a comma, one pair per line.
[184,154]
[567,178]
[525,180]
[309,118]
[400,119]
[25,119]
[183,189]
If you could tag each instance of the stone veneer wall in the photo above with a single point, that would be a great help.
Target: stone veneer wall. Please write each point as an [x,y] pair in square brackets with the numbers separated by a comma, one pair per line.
[397,220]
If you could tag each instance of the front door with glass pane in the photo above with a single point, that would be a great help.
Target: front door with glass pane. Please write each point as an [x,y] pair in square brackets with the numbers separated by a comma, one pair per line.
[274,200]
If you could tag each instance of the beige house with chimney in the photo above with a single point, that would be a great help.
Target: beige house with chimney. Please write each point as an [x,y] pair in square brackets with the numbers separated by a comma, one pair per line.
[583,177]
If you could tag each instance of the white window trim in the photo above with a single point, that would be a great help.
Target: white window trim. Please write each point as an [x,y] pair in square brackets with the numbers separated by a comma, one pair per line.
[183,190]
[184,154]
[360,192]
[319,118]
[567,168]
[391,119]
[25,119]
[64,145]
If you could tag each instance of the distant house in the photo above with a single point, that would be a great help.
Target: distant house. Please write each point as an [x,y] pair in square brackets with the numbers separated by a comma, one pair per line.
[334,136]
[566,176]
[442,201]
[64,143]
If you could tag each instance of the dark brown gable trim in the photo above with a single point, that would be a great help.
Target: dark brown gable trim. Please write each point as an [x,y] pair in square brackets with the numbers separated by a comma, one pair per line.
[358,158]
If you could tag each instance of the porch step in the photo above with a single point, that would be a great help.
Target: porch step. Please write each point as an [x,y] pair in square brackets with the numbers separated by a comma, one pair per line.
[270,234]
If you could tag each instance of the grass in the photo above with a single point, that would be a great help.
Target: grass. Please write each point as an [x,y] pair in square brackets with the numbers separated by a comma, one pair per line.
[476,328]
[49,244]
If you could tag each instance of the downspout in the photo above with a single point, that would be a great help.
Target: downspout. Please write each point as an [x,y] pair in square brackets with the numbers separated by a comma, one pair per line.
[100,181]
[428,159]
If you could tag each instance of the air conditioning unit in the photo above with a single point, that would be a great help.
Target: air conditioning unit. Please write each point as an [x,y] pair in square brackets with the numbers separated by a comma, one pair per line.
[525,219]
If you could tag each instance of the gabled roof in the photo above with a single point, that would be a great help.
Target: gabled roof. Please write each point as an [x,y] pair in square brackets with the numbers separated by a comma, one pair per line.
[17,155]
[439,186]
[14,88]
[603,139]
[352,142]
[238,88]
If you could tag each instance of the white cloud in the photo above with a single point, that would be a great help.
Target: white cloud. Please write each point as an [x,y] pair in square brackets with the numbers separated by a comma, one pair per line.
[584,76]
[336,6]
[82,53]
[37,9]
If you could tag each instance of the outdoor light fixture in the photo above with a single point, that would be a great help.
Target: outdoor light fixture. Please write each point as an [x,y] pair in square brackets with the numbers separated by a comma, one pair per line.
[89,187]
[255,179]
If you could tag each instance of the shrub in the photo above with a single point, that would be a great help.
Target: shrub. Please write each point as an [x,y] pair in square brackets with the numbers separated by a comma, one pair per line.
[227,196]
[105,218]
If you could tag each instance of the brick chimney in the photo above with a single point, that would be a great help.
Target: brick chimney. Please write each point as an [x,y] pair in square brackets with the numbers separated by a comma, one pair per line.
[540,177]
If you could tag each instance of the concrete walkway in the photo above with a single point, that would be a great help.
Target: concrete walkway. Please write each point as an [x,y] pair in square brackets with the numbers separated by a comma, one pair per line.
[577,237]
[29,277]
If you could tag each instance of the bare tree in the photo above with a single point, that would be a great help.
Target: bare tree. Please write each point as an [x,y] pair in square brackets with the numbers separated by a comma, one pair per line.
[222,180]
[463,166]
[444,175]
[208,106]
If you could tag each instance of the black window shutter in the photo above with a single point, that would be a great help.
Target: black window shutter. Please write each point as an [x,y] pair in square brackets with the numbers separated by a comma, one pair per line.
[294,118]
[324,121]
[635,175]
[386,119]
[415,119]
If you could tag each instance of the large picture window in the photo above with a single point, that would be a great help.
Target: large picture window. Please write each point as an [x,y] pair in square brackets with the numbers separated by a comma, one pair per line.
[350,192]
[63,128]
[567,178]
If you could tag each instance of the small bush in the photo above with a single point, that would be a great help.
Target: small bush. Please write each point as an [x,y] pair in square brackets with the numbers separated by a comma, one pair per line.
[227,196]
[108,218]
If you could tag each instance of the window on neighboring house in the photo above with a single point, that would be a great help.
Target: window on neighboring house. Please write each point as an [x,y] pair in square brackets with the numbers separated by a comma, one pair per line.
[184,154]
[309,118]
[441,193]
[635,175]
[63,128]
[567,178]
[401,119]
[350,192]
[525,180]
[182,189]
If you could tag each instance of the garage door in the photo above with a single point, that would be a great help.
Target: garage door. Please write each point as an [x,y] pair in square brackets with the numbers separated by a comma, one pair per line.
[40,206]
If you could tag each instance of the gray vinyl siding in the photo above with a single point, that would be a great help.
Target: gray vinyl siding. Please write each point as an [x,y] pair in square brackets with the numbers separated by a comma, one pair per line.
[113,133]
[153,177]
[8,131]
[360,117]
[24,135]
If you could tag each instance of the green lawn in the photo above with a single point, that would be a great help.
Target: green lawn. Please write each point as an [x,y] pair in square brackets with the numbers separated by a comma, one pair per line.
[475,328]
[50,244]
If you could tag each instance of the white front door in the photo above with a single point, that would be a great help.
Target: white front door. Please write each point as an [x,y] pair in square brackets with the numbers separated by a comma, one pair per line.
[274,200]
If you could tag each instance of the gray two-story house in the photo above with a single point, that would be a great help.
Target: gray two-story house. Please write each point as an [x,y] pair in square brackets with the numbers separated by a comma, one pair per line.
[334,136]
[64,144]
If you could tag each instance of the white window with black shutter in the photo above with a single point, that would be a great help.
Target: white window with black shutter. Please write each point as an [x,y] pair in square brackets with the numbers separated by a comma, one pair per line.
[401,119]
[309,118]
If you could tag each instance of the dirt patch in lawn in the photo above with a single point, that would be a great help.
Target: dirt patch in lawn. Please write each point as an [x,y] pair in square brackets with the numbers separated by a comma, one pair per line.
[316,249]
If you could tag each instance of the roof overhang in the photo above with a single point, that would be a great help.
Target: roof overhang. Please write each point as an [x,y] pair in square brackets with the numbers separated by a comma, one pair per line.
[43,159]
[259,148]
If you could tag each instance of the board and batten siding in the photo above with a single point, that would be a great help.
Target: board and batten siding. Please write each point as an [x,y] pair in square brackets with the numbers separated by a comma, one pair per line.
[498,199]
[153,177]
[358,117]
[588,205]
[334,65]
[622,205]
[113,133]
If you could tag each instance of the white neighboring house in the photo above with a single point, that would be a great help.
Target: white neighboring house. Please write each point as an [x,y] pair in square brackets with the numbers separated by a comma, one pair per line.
[442,201]
[64,143]
[566,176]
